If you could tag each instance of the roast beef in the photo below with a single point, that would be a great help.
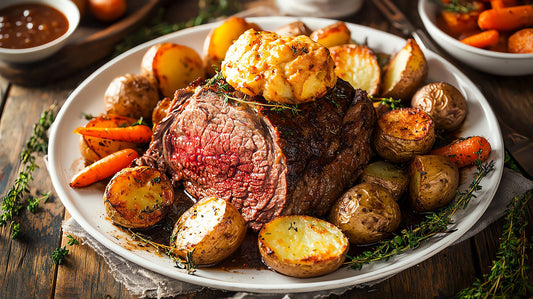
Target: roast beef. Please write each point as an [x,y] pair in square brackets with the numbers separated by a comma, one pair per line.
[266,161]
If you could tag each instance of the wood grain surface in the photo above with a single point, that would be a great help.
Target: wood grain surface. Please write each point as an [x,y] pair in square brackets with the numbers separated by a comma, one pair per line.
[27,268]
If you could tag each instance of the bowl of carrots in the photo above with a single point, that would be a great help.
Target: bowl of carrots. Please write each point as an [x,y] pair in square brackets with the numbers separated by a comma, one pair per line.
[493,36]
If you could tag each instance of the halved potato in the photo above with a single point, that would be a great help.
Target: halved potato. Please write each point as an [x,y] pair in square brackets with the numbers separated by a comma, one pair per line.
[366,213]
[220,39]
[293,29]
[93,148]
[433,182]
[403,133]
[388,175]
[211,229]
[173,66]
[405,72]
[302,246]
[332,35]
[138,197]
[358,65]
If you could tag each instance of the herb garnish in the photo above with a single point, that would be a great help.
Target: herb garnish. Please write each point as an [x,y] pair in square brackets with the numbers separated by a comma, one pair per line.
[458,6]
[38,142]
[435,223]
[60,253]
[508,276]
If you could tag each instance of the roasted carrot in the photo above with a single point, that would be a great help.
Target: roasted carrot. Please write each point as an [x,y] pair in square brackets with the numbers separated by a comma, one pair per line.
[521,41]
[483,39]
[103,168]
[502,3]
[465,152]
[137,133]
[507,18]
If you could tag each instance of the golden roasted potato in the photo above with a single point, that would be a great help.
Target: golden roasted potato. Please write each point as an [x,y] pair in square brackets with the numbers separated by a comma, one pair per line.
[282,69]
[387,175]
[131,95]
[93,148]
[405,72]
[302,246]
[173,66]
[138,197]
[366,213]
[161,110]
[433,182]
[220,39]
[332,35]
[358,65]
[211,229]
[403,133]
[293,29]
[443,102]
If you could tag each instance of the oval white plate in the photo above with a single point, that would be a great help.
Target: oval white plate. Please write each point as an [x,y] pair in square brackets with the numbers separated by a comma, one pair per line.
[86,205]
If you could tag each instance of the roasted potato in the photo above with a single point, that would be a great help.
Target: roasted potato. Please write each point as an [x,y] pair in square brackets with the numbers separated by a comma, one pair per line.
[333,35]
[443,102]
[302,246]
[387,175]
[131,95]
[211,229]
[433,182]
[173,66]
[138,197]
[403,133]
[358,65]
[283,69]
[293,29]
[405,72]
[366,213]
[161,110]
[93,148]
[220,39]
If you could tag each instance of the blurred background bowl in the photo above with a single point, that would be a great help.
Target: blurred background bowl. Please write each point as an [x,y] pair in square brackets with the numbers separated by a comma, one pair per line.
[497,63]
[26,55]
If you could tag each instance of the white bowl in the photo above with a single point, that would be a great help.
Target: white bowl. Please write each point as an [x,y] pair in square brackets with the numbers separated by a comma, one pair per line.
[67,7]
[497,63]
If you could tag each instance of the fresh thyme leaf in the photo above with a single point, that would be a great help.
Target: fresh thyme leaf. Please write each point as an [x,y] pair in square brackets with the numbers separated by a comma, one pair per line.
[37,143]
[59,255]
[33,202]
[508,276]
[72,241]
[435,223]
[459,6]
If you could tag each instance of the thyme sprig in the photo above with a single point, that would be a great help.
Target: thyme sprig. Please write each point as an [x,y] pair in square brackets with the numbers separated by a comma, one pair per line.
[187,264]
[508,275]
[60,253]
[458,6]
[38,143]
[435,223]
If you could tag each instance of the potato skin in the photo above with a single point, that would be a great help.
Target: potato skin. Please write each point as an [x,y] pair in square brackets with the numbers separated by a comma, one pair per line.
[332,35]
[403,133]
[138,197]
[433,182]
[294,29]
[443,102]
[321,246]
[366,213]
[388,175]
[212,229]
[131,95]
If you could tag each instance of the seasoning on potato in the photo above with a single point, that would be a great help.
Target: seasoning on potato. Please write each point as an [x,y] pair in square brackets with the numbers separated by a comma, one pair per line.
[433,182]
[366,213]
[302,246]
[443,102]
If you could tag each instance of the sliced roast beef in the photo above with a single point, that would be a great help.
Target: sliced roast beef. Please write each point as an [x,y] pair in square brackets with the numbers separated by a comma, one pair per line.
[266,161]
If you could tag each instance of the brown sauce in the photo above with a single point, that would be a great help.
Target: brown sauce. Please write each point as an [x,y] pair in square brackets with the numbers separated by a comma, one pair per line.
[30,25]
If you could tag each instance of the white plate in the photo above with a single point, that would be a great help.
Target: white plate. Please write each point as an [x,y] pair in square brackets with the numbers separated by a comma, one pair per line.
[86,205]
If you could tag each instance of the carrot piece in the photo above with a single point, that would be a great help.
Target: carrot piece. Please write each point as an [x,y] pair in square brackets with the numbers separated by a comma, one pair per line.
[497,4]
[507,18]
[103,168]
[458,23]
[137,134]
[483,39]
[521,41]
[465,152]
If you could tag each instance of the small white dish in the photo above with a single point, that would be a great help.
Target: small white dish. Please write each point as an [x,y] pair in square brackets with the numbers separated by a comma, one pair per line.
[26,55]
[492,62]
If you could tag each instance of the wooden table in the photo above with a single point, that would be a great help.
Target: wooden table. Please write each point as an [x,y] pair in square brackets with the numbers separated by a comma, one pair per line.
[28,270]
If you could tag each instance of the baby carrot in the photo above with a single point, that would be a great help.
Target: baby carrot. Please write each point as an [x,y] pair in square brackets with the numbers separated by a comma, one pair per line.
[483,39]
[137,133]
[103,168]
[507,18]
[465,152]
